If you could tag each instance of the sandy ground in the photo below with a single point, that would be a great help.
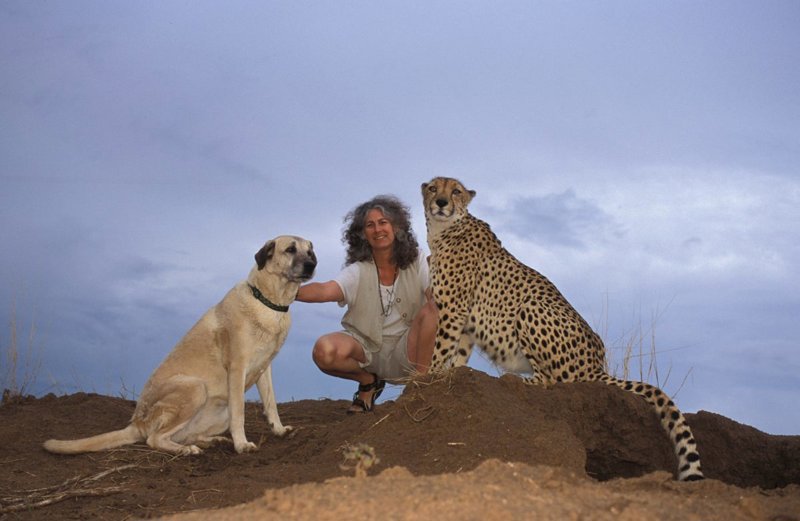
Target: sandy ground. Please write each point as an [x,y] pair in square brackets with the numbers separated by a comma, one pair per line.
[468,446]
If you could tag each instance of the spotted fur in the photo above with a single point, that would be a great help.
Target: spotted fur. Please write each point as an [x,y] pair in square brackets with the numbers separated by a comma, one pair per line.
[488,298]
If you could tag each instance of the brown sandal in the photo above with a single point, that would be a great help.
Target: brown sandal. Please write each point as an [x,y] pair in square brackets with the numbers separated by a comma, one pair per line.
[358,405]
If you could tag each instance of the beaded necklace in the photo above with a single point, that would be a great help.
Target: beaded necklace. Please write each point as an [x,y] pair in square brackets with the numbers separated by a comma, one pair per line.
[385,310]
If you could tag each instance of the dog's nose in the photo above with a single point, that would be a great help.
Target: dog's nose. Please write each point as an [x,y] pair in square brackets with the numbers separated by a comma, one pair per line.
[309,265]
[441,203]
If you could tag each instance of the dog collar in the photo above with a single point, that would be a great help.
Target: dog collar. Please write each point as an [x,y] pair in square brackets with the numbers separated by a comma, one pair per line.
[264,300]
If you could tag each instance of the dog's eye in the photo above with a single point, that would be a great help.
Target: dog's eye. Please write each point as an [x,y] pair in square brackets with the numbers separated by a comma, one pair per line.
[291,249]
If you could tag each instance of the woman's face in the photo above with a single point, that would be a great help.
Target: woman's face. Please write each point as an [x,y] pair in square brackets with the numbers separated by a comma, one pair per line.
[378,230]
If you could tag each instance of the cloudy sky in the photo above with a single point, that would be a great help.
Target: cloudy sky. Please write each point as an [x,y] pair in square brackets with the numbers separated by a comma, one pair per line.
[642,155]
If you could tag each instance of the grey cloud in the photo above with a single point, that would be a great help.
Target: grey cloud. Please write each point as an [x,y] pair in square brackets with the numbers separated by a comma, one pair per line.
[562,219]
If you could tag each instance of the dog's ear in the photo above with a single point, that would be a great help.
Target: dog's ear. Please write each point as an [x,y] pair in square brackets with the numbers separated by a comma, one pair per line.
[265,254]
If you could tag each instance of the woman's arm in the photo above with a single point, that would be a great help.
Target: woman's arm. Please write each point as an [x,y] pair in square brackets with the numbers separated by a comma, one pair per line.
[320,292]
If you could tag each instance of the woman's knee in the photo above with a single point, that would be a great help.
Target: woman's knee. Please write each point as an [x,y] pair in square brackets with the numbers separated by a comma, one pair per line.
[324,352]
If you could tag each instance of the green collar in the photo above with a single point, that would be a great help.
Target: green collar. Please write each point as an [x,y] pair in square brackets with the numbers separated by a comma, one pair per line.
[264,300]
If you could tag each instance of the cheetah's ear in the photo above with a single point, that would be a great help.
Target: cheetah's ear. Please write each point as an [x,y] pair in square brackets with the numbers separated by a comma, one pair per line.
[469,195]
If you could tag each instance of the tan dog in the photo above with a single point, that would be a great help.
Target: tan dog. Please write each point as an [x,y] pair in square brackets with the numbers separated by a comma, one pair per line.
[198,391]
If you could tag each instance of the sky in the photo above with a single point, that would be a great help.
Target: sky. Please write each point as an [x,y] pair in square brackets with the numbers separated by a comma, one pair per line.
[644,156]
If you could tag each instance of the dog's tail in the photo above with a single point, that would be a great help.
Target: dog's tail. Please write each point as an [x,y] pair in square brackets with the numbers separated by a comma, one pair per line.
[108,440]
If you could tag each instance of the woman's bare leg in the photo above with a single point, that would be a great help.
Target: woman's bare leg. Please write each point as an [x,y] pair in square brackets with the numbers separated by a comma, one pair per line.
[422,336]
[339,354]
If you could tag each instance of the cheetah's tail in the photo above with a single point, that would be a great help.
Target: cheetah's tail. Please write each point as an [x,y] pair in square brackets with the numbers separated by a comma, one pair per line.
[673,422]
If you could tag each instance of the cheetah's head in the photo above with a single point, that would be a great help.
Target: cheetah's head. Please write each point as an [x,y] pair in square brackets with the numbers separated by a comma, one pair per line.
[445,199]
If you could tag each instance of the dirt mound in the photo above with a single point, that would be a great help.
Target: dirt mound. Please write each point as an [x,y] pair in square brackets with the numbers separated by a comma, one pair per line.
[467,439]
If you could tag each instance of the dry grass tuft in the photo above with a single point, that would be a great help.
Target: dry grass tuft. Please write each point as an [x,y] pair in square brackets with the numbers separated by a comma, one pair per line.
[359,457]
[639,354]
[22,365]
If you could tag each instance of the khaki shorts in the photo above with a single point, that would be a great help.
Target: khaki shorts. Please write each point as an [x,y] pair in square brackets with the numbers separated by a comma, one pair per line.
[391,362]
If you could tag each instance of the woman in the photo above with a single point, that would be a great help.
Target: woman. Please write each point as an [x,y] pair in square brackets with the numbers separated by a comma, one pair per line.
[390,324]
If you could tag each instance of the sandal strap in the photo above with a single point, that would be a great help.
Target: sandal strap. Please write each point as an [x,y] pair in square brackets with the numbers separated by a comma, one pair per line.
[381,384]
[376,387]
[358,402]
[377,383]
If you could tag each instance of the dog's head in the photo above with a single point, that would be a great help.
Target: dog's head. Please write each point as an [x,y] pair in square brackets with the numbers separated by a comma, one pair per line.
[289,256]
[445,199]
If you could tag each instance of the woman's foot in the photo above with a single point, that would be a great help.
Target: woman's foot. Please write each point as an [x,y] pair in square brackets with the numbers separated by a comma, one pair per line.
[364,398]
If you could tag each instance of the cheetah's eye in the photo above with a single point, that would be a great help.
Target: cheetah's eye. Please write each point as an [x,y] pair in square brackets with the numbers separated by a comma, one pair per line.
[456,191]
[432,189]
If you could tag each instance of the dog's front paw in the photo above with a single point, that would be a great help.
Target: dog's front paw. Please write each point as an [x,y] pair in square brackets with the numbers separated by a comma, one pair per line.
[282,430]
[245,446]
[190,450]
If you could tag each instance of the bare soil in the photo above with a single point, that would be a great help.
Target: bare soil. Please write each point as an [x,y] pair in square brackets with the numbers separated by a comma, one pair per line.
[464,446]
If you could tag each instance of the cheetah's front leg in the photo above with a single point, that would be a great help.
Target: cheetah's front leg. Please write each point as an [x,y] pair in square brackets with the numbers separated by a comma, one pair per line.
[463,352]
[452,345]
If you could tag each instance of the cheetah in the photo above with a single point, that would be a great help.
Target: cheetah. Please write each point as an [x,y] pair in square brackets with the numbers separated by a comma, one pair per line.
[488,298]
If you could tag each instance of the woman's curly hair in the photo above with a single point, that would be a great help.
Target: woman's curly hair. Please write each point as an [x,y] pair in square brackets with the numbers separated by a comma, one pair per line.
[405,249]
